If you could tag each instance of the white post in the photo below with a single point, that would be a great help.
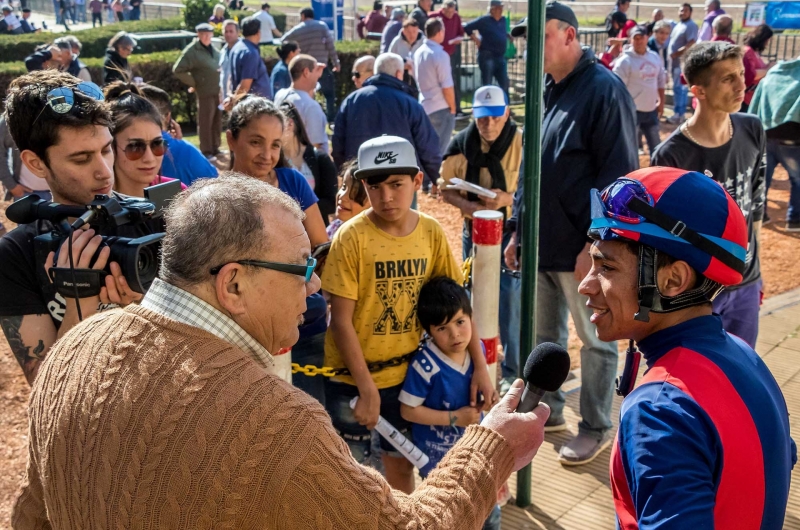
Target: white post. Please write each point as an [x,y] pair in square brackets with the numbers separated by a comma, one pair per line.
[283,364]
[487,237]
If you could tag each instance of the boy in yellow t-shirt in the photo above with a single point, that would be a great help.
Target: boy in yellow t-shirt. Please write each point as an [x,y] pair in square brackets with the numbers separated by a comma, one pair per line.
[377,265]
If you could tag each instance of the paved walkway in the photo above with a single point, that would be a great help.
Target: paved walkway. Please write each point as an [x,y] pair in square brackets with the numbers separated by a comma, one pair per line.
[579,498]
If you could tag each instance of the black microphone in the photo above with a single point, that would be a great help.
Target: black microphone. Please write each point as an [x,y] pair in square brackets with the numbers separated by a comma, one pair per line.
[546,370]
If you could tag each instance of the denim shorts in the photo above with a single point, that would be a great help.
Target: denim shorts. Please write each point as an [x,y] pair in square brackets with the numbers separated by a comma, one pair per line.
[357,436]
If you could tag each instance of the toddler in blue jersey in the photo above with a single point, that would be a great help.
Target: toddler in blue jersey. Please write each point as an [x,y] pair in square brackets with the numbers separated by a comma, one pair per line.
[435,394]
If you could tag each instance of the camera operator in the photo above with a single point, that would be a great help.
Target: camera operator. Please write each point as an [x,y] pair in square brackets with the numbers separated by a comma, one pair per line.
[71,150]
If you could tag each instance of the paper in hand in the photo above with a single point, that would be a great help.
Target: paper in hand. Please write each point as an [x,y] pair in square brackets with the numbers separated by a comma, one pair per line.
[462,185]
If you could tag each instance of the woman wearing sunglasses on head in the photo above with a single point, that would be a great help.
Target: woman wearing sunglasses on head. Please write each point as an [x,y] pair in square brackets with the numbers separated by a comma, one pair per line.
[139,147]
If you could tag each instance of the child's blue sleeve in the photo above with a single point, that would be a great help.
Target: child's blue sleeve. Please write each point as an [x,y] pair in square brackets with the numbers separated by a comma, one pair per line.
[419,379]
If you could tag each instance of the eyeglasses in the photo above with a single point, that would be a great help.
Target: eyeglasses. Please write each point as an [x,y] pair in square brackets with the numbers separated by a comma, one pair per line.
[137,148]
[305,271]
[616,198]
[62,99]
[357,75]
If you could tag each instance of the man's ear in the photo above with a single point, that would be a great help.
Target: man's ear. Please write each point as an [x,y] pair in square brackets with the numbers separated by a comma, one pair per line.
[228,288]
[676,278]
[698,91]
[35,164]
[231,140]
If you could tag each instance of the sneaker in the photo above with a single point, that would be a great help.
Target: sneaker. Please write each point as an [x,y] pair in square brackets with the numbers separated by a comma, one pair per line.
[793,226]
[675,119]
[505,385]
[555,424]
[211,158]
[582,449]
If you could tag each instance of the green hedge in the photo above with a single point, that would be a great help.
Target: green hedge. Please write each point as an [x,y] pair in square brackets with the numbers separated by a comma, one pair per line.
[95,40]
[156,69]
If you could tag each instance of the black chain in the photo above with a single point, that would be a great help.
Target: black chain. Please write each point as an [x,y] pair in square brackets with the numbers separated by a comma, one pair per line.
[379,365]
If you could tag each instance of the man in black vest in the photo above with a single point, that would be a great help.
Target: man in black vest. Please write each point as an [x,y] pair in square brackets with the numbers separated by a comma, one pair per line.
[488,153]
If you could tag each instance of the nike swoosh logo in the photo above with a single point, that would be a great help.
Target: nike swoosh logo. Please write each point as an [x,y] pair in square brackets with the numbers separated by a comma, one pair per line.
[381,159]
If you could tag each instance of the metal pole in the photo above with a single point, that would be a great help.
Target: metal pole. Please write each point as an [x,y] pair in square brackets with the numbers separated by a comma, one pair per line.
[530,201]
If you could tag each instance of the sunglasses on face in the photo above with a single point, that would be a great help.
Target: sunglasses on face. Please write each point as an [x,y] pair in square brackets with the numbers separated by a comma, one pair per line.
[137,148]
[357,75]
[306,271]
[62,99]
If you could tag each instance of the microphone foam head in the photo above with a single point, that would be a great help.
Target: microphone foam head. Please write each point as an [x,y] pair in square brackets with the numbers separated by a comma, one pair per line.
[547,366]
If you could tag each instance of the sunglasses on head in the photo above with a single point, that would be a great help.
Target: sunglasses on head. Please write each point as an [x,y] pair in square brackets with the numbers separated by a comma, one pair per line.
[61,100]
[137,148]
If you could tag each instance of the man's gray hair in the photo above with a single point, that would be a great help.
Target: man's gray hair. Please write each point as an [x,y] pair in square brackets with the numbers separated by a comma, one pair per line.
[388,63]
[723,26]
[450,3]
[365,63]
[217,221]
[662,24]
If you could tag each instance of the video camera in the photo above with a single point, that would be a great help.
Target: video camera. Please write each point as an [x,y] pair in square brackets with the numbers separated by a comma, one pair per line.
[137,257]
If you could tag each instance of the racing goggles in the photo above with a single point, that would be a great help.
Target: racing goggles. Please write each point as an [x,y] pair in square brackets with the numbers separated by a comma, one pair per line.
[617,199]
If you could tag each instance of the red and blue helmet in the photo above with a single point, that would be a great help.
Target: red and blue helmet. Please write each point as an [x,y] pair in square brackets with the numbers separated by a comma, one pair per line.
[681,213]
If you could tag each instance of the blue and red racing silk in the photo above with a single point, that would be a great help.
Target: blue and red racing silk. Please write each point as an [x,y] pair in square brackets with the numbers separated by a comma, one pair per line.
[703,441]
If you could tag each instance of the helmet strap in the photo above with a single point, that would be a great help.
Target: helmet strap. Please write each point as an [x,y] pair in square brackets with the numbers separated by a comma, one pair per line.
[651,299]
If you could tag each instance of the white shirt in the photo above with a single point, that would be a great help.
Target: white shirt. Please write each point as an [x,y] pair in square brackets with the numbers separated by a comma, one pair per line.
[643,75]
[12,21]
[31,181]
[432,73]
[267,25]
[310,112]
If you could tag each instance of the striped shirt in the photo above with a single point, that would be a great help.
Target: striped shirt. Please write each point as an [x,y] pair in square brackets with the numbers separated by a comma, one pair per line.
[177,304]
[315,39]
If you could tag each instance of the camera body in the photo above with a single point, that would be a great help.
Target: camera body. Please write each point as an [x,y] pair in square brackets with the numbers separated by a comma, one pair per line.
[138,257]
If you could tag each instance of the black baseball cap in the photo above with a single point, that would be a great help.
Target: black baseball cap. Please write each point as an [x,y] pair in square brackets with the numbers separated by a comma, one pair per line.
[553,11]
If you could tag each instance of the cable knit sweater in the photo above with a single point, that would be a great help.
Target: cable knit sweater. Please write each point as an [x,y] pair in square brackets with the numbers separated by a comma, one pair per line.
[138,421]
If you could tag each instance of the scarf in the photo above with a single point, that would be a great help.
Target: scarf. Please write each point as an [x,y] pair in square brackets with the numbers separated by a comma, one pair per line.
[468,143]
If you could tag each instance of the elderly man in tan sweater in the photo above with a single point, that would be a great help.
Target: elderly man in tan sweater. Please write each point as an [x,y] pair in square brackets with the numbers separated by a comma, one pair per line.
[166,414]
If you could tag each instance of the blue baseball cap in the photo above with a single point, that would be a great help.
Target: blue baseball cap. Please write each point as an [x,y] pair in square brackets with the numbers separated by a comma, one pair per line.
[489,101]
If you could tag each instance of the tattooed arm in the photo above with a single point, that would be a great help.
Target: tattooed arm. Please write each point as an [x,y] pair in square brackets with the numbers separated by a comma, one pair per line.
[30,338]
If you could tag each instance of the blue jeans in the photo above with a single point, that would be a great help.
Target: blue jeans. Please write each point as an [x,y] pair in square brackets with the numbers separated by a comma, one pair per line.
[789,157]
[443,123]
[557,297]
[135,14]
[680,93]
[327,85]
[493,521]
[310,350]
[739,311]
[649,126]
[493,66]
[510,302]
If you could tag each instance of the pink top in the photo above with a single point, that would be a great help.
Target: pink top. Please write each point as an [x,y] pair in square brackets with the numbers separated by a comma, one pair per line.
[161,180]
[752,63]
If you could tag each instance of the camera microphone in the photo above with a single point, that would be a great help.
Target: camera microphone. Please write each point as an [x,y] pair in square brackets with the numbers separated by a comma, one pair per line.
[546,370]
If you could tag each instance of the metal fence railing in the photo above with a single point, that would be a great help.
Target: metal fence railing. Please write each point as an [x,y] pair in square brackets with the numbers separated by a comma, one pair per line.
[149,10]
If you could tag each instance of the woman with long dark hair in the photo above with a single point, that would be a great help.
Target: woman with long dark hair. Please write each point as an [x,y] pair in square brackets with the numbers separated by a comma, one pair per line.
[755,43]
[314,164]
[138,145]
[115,65]
[255,137]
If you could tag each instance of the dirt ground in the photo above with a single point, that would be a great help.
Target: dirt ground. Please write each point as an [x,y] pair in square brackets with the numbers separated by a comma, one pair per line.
[779,253]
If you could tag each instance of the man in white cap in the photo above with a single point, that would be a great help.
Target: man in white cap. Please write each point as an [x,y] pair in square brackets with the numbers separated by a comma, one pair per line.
[198,67]
[377,264]
[488,153]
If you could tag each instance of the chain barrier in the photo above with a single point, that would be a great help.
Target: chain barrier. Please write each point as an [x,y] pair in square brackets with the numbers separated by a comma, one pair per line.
[326,371]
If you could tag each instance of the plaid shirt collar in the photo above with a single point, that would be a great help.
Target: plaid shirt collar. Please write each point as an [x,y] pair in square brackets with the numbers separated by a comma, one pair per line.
[177,304]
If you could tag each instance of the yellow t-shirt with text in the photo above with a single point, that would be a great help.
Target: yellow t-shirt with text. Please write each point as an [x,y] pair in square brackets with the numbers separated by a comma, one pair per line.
[384,275]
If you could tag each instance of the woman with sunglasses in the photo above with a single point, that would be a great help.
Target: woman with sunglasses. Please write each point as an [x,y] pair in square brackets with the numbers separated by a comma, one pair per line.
[255,138]
[139,147]
[314,164]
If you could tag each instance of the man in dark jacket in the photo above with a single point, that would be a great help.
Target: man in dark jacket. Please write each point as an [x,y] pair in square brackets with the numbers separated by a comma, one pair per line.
[384,105]
[42,58]
[198,67]
[588,141]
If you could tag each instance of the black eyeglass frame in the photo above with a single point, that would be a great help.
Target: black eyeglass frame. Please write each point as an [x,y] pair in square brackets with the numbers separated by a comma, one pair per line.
[306,271]
[357,75]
